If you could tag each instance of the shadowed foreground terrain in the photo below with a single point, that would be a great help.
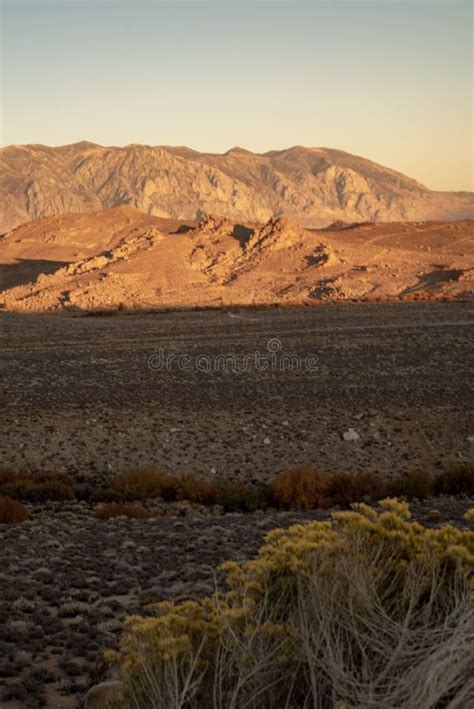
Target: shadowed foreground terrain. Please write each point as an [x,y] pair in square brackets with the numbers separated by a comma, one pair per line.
[69,580]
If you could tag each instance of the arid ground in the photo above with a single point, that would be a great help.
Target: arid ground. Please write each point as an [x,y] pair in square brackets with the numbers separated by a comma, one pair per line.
[101,394]
[68,581]
[94,396]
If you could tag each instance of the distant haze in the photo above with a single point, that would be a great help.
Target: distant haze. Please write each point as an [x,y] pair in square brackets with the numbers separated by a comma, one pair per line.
[388,80]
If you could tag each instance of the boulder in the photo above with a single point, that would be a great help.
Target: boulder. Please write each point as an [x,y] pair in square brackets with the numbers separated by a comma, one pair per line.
[351,435]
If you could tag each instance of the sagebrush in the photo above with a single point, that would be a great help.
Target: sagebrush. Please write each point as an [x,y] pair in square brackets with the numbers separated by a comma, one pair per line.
[365,610]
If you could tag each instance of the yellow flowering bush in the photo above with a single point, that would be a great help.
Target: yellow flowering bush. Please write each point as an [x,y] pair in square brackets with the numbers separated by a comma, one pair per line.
[367,609]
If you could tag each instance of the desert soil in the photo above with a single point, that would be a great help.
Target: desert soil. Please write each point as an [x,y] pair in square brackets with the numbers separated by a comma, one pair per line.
[84,395]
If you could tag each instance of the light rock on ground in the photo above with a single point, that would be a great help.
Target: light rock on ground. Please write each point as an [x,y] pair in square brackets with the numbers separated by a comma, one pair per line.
[351,435]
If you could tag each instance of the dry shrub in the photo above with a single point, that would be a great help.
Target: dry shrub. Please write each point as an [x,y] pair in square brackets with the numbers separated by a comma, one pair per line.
[301,489]
[308,489]
[190,488]
[146,483]
[110,494]
[243,498]
[83,491]
[9,476]
[372,486]
[456,480]
[116,509]
[37,487]
[344,489]
[12,511]
[418,484]
[366,610]
[142,484]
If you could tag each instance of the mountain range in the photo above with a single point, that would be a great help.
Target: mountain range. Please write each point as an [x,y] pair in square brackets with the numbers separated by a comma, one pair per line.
[311,186]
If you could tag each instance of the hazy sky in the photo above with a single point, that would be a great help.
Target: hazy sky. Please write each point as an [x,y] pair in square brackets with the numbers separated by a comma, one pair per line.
[388,80]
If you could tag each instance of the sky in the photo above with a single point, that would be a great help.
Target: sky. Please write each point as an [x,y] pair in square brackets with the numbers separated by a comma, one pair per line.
[386,79]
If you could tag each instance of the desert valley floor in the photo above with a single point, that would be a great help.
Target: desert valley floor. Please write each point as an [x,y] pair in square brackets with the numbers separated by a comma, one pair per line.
[97,395]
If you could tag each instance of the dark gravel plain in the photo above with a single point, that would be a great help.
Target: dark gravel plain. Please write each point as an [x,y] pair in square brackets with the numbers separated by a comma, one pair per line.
[78,393]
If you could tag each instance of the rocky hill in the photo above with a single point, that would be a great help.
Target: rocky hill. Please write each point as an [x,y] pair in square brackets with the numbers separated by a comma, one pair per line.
[312,186]
[123,256]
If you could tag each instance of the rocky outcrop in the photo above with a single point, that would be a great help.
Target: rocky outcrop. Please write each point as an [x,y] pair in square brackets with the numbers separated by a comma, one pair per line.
[277,233]
[124,258]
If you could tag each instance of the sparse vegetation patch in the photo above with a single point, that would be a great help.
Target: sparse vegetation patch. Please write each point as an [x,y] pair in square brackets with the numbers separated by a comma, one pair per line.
[294,489]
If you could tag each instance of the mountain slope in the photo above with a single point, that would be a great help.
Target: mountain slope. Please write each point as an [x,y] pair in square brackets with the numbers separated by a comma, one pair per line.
[121,255]
[312,186]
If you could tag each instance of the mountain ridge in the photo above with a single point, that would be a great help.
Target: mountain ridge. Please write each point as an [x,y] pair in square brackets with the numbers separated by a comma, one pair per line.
[311,186]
